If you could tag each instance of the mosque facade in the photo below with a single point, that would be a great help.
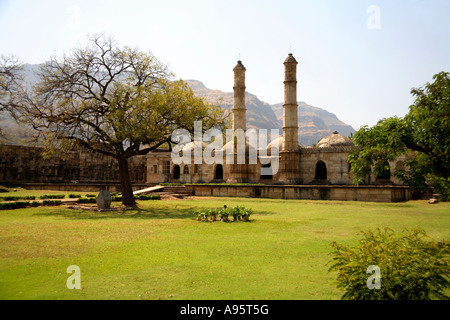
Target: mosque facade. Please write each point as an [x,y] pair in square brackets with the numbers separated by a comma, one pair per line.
[324,164]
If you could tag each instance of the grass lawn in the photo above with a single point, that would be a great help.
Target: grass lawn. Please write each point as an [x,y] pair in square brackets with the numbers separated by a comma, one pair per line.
[161,252]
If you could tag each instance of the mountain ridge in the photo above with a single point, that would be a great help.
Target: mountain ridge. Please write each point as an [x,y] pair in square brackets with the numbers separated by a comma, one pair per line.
[314,122]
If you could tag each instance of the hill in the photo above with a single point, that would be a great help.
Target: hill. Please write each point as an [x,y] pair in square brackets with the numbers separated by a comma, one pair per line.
[314,123]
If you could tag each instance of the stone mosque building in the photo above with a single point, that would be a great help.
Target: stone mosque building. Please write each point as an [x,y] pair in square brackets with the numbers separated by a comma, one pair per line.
[319,172]
[324,164]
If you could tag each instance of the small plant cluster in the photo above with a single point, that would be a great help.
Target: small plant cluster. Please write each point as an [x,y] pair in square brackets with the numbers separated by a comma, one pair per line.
[238,213]
[25,204]
[410,267]
[3,189]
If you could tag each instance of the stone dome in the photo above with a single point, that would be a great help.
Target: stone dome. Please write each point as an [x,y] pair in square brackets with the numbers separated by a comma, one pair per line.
[248,147]
[334,140]
[280,141]
[192,145]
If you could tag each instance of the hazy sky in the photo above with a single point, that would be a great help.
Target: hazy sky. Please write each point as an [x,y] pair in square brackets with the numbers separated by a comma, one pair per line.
[358,59]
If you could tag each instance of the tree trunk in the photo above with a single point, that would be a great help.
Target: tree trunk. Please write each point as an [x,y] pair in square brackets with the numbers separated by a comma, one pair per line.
[125,183]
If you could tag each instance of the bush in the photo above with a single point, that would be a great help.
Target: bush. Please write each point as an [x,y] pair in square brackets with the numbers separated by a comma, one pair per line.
[3,189]
[51,202]
[410,268]
[14,205]
[224,214]
[13,198]
[91,195]
[86,200]
[148,197]
[52,196]
[73,196]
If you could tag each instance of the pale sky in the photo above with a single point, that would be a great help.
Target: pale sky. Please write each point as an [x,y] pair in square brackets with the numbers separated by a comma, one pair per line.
[358,59]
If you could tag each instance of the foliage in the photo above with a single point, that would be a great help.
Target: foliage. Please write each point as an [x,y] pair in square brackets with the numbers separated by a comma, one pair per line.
[51,202]
[223,214]
[3,189]
[423,136]
[52,196]
[14,205]
[411,268]
[72,195]
[117,101]
[86,200]
[14,198]
[25,204]
[148,197]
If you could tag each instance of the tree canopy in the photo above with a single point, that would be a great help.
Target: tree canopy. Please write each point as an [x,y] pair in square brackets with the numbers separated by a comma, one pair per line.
[118,101]
[423,136]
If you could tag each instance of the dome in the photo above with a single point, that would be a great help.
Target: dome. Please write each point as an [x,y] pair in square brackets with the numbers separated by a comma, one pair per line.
[248,147]
[192,145]
[280,142]
[334,140]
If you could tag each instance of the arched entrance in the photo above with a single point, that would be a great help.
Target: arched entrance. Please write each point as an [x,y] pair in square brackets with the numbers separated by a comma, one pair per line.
[385,173]
[266,171]
[218,175]
[176,172]
[321,171]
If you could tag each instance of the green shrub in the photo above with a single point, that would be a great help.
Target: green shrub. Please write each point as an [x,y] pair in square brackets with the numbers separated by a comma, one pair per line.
[148,197]
[3,189]
[14,205]
[14,198]
[52,196]
[86,200]
[224,214]
[90,195]
[73,196]
[51,202]
[410,268]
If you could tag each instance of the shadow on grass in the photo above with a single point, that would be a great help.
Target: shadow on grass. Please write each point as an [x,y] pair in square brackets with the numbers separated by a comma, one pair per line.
[154,213]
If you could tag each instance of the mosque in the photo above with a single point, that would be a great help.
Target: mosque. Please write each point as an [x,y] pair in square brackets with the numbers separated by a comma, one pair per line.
[324,164]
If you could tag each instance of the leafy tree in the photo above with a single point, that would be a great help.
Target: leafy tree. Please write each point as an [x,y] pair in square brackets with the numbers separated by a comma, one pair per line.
[10,76]
[423,135]
[410,267]
[117,101]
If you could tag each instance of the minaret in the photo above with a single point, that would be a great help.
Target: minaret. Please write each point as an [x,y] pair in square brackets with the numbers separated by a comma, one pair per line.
[290,119]
[239,115]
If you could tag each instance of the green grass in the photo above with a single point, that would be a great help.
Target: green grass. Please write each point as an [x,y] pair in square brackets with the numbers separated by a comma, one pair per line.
[161,252]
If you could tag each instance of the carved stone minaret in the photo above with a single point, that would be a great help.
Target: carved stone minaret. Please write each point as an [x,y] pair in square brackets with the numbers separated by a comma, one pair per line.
[239,120]
[290,120]
[290,149]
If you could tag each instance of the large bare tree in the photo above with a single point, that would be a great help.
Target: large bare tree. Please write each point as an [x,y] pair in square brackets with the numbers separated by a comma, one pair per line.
[117,101]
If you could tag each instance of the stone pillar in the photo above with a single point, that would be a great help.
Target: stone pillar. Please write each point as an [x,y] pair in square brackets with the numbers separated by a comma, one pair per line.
[289,154]
[239,121]
[290,117]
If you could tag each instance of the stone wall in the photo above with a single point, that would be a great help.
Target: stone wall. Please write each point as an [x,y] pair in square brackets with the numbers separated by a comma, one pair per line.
[325,192]
[22,164]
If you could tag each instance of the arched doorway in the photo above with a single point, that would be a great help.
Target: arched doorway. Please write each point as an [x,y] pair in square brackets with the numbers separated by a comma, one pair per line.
[219,172]
[321,171]
[385,173]
[266,171]
[176,172]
